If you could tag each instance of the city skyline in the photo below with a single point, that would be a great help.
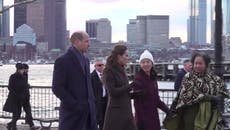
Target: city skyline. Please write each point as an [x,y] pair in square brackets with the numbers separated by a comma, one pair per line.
[48,20]
[120,11]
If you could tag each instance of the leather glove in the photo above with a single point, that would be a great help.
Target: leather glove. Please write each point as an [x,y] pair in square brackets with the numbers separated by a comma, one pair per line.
[170,114]
[212,98]
[217,99]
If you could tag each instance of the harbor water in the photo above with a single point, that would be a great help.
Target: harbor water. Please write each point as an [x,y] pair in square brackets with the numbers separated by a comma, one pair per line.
[41,75]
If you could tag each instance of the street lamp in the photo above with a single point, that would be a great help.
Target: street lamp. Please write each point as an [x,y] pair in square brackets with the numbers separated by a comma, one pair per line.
[218,43]
[218,38]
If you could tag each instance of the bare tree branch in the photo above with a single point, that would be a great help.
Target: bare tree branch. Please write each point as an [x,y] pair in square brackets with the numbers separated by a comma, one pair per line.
[17,4]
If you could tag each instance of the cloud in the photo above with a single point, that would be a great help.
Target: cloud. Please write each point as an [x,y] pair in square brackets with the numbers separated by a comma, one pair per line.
[8,2]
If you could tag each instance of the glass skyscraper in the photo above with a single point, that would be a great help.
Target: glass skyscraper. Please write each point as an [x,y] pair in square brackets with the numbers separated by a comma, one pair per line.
[1,4]
[149,29]
[226,17]
[212,21]
[6,23]
[1,7]
[197,22]
[19,15]
[99,29]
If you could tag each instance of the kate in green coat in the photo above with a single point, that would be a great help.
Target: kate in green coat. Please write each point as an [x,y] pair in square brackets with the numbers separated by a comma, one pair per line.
[119,111]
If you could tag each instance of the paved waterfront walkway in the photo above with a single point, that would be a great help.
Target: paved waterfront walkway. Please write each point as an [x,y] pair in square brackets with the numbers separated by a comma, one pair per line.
[20,127]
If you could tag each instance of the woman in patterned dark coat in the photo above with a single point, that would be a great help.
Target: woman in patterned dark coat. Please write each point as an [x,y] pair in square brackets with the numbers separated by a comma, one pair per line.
[200,96]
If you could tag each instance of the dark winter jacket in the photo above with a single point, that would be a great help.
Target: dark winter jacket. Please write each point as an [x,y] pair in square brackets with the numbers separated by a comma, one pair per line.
[147,103]
[72,85]
[179,79]
[18,92]
[119,114]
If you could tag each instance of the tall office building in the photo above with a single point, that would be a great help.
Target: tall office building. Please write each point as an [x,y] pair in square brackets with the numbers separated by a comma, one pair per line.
[99,29]
[197,22]
[1,7]
[150,29]
[226,17]
[6,24]
[61,24]
[91,28]
[55,24]
[132,31]
[36,18]
[19,14]
[212,21]
[157,29]
[48,19]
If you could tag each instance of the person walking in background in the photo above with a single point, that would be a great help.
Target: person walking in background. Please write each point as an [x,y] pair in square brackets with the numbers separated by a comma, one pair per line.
[145,94]
[99,92]
[27,106]
[72,85]
[187,67]
[119,111]
[18,97]
[200,96]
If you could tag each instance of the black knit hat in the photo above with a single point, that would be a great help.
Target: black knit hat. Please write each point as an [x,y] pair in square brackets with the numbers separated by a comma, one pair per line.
[19,66]
[25,66]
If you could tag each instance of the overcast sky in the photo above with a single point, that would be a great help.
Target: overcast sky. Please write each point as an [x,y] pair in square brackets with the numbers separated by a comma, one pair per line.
[120,11]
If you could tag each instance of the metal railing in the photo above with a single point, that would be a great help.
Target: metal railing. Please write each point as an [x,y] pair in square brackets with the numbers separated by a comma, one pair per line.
[167,96]
[44,102]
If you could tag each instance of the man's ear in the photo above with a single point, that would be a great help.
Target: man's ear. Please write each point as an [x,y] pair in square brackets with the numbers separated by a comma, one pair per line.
[76,41]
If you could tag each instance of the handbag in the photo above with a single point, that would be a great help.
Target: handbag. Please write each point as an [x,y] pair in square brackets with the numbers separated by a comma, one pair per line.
[173,122]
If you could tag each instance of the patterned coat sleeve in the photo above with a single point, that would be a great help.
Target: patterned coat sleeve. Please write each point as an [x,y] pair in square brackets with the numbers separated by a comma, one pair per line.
[186,93]
[221,87]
